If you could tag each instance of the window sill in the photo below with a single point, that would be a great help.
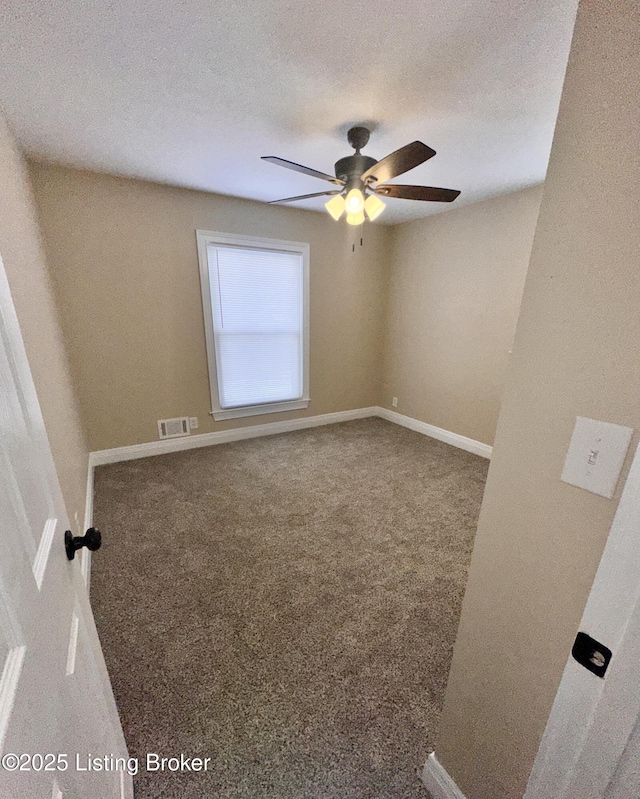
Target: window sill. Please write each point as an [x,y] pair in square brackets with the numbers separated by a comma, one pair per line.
[260,410]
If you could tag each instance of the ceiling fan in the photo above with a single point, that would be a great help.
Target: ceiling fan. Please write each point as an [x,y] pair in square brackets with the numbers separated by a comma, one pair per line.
[362,179]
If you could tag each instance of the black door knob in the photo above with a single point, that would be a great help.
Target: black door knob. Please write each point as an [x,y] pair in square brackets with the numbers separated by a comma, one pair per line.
[92,540]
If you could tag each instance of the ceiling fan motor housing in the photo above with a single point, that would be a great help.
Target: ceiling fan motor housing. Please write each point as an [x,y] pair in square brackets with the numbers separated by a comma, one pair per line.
[350,168]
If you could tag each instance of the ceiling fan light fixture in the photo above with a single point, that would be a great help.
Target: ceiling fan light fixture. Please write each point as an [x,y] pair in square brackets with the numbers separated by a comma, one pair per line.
[360,177]
[354,202]
[355,219]
[335,206]
[374,206]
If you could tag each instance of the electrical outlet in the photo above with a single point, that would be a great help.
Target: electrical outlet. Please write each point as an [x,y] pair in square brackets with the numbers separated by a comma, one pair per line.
[394,402]
[193,422]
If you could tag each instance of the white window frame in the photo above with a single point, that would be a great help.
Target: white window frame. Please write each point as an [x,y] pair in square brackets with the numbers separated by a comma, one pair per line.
[204,239]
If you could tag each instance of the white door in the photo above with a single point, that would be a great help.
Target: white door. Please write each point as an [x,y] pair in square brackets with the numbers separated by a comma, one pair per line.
[625,783]
[56,703]
[591,745]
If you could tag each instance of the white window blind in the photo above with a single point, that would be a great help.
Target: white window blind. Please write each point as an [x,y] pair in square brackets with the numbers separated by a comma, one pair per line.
[257,303]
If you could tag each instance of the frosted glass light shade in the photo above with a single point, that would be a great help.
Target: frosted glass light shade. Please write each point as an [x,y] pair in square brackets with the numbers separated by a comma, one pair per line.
[374,206]
[354,202]
[355,219]
[335,206]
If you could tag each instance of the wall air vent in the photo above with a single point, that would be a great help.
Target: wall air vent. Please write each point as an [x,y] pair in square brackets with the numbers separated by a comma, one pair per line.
[172,428]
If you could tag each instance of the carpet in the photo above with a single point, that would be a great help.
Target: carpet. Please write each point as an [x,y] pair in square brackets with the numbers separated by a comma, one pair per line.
[286,606]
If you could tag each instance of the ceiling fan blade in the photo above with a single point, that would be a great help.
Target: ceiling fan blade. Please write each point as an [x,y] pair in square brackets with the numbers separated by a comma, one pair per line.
[304,169]
[429,193]
[305,197]
[399,161]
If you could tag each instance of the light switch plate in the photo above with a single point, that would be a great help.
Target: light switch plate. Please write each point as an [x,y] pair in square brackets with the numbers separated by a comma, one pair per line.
[595,456]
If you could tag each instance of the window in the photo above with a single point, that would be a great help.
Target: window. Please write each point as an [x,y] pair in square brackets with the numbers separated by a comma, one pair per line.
[255,297]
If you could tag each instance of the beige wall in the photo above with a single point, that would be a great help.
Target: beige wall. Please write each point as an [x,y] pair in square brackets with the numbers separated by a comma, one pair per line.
[454,295]
[28,278]
[124,265]
[576,352]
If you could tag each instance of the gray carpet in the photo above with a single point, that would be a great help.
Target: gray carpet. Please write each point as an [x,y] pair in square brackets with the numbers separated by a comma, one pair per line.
[286,606]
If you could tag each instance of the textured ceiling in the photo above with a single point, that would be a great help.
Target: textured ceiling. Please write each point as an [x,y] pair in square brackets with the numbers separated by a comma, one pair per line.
[193,92]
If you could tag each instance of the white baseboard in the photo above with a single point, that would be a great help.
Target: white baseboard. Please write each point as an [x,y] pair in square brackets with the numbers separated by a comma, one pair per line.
[456,440]
[104,456]
[438,781]
[118,454]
